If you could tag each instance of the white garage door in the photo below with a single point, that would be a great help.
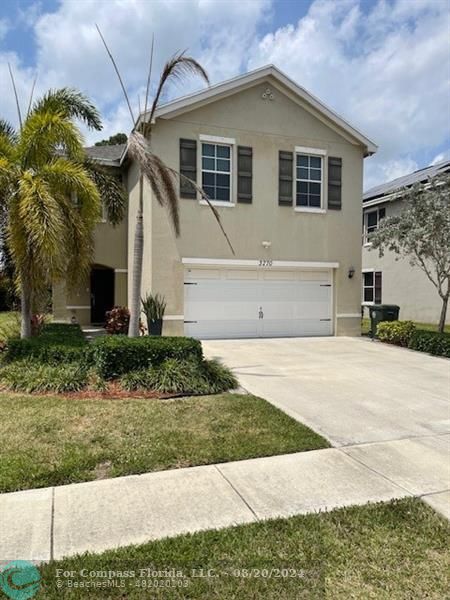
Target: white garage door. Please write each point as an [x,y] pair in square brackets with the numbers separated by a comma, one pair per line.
[233,303]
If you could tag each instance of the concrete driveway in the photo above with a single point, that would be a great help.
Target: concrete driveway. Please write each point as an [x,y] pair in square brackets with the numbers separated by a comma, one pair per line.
[350,390]
[383,407]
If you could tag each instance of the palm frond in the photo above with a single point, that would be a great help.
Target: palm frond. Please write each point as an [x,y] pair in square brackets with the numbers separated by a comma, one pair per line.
[162,180]
[41,218]
[158,175]
[112,192]
[176,68]
[45,135]
[72,104]
[79,246]
[8,139]
[7,131]
[206,198]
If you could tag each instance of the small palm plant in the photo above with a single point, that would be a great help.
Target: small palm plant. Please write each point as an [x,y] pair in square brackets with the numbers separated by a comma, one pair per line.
[154,307]
[52,195]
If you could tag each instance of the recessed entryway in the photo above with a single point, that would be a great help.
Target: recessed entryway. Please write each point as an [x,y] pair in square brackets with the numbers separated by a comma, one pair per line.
[102,292]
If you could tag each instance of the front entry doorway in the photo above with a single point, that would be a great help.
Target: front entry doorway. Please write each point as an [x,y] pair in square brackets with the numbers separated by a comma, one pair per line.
[102,293]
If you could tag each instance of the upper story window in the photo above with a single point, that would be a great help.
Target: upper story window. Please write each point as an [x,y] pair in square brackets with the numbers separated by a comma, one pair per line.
[216,171]
[309,181]
[371,222]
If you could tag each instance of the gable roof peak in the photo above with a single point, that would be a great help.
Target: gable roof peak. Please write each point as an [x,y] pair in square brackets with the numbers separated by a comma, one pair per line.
[230,86]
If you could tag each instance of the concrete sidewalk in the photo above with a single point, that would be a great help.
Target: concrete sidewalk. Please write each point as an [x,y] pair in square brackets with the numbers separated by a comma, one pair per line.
[55,522]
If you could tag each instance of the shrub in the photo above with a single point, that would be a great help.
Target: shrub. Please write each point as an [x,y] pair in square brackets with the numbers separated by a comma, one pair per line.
[114,356]
[395,332]
[117,320]
[219,377]
[58,343]
[432,342]
[185,376]
[30,376]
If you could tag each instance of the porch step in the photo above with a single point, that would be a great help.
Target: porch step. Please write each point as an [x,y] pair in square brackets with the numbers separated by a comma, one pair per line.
[91,333]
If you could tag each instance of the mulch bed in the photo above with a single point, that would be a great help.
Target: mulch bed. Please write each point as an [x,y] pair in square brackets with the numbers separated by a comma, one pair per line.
[115,392]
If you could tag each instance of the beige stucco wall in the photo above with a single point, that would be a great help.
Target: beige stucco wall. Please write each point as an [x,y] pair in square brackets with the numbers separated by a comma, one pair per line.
[403,284]
[110,250]
[266,126]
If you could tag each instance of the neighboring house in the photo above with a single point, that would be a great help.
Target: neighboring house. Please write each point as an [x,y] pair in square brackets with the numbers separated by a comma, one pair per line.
[285,173]
[387,280]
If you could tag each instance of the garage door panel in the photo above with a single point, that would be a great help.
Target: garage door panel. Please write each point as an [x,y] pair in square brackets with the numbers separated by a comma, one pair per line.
[228,307]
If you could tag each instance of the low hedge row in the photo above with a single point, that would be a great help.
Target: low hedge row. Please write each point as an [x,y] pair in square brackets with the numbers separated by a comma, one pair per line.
[431,342]
[113,356]
[57,343]
[405,333]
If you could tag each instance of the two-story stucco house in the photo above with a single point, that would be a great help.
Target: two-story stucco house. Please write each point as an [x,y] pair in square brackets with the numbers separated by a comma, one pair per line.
[390,280]
[285,173]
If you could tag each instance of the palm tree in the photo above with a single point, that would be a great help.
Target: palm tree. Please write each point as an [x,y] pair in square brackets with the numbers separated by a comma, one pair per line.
[161,177]
[52,195]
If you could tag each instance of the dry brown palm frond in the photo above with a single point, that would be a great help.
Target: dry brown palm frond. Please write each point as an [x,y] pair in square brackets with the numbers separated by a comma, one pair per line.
[149,77]
[206,198]
[116,68]
[176,68]
[162,180]
[157,174]
[13,81]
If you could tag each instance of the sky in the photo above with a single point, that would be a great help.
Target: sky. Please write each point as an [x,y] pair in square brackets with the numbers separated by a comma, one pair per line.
[384,65]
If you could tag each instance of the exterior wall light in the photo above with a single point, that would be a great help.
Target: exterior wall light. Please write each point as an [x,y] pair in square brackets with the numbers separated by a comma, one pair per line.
[351,272]
[266,245]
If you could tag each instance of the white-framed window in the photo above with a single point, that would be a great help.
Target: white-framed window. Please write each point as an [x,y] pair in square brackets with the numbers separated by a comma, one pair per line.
[309,181]
[371,221]
[217,171]
[372,283]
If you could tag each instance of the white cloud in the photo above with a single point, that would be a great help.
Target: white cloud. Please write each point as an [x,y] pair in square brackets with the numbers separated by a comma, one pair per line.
[440,157]
[385,72]
[70,52]
[383,66]
[4,27]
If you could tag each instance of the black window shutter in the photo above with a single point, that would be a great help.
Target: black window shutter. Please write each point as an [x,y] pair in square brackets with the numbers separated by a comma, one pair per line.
[378,286]
[285,180]
[334,183]
[245,174]
[188,167]
[381,213]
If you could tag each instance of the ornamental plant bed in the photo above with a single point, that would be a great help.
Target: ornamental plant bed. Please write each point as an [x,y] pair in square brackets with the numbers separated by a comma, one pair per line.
[61,361]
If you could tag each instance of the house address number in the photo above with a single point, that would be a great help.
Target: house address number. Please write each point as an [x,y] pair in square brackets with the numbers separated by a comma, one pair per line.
[265,263]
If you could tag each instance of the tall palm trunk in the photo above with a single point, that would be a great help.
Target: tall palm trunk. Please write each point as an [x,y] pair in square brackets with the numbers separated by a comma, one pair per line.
[138,256]
[25,306]
[443,314]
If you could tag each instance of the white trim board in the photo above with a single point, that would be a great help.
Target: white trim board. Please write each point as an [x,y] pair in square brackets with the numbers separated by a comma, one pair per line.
[214,139]
[231,262]
[306,150]
[78,307]
[349,316]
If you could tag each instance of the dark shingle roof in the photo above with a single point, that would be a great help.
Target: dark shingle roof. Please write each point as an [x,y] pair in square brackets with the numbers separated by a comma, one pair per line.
[106,153]
[406,180]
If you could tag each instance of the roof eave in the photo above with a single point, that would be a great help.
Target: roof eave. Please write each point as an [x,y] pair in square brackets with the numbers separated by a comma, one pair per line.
[173,108]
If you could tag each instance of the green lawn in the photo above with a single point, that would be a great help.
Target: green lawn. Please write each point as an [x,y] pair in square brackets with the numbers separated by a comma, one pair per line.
[47,441]
[393,551]
[365,327]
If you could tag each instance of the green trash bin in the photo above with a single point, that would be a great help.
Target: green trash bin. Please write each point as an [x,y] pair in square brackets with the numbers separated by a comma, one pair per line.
[382,312]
